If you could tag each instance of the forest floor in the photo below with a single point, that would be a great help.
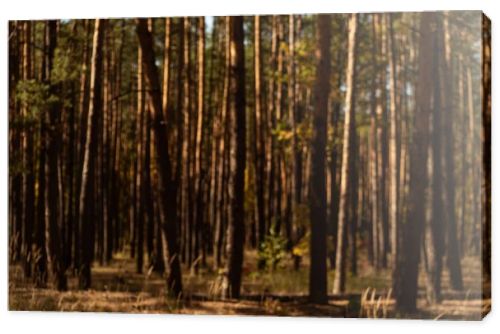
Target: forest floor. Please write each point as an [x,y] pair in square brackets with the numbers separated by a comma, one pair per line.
[283,292]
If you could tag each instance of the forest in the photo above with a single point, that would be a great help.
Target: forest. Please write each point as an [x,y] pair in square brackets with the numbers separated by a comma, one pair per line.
[330,165]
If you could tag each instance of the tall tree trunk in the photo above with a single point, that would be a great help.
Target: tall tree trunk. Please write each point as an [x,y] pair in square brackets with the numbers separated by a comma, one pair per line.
[296,165]
[237,155]
[355,203]
[40,253]
[270,157]
[486,159]
[16,154]
[168,190]
[347,157]
[185,177]
[220,216]
[86,215]
[166,68]
[383,154]
[393,141]
[335,154]
[473,170]
[448,134]
[52,204]
[259,135]
[405,278]
[435,246]
[83,119]
[71,151]
[317,196]
[374,152]
[139,172]
[199,139]
[278,110]
[29,175]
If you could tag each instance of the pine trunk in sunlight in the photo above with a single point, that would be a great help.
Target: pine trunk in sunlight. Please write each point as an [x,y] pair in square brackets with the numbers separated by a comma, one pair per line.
[348,159]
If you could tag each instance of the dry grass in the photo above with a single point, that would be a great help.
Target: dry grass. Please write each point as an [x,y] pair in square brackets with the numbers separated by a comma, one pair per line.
[283,292]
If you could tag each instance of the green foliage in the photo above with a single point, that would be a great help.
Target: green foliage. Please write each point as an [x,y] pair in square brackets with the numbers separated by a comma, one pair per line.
[35,95]
[301,248]
[334,139]
[65,68]
[305,52]
[301,221]
[35,98]
[272,250]
[282,132]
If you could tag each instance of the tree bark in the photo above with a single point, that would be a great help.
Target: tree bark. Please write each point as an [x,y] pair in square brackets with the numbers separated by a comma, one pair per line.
[259,135]
[87,198]
[199,140]
[237,156]
[52,205]
[139,172]
[317,196]
[448,134]
[374,152]
[393,141]
[347,157]
[29,175]
[168,190]
[40,259]
[486,158]
[405,278]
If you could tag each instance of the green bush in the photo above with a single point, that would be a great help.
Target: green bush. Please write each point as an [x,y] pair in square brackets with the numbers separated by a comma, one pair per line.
[272,250]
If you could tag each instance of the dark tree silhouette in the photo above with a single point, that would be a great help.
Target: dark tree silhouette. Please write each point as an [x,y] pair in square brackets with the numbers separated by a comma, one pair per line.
[317,198]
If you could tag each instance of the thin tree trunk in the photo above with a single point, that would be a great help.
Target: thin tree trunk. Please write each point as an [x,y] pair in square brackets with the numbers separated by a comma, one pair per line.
[40,253]
[83,119]
[166,69]
[199,139]
[355,201]
[139,172]
[29,175]
[347,157]
[259,135]
[393,141]
[296,166]
[374,152]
